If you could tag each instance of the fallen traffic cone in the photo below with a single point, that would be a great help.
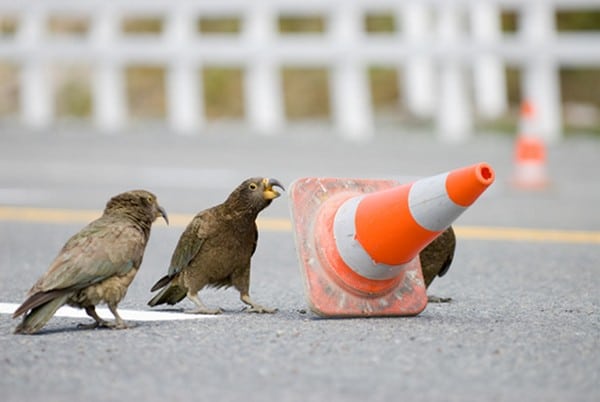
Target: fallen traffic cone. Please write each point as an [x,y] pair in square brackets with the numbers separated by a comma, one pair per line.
[530,153]
[358,240]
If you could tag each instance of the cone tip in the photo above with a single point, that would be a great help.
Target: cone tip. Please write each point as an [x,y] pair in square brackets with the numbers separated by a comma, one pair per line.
[465,185]
[484,173]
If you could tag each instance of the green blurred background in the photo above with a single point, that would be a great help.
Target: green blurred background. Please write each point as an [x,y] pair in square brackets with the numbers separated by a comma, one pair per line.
[306,93]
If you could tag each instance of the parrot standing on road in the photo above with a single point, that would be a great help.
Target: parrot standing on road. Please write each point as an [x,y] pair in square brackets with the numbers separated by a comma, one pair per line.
[216,248]
[436,259]
[95,265]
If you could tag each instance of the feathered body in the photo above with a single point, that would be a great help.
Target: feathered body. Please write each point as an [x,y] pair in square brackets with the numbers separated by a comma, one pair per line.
[96,265]
[436,259]
[216,248]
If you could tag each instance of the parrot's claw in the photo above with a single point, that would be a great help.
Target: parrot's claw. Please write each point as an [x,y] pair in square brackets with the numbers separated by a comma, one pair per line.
[93,325]
[200,307]
[104,324]
[254,307]
[205,310]
[97,324]
[119,325]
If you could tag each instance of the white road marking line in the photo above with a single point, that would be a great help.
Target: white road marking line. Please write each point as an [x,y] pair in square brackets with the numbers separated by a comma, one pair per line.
[127,315]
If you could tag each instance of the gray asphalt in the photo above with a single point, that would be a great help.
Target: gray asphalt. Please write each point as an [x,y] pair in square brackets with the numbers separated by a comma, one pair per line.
[524,323]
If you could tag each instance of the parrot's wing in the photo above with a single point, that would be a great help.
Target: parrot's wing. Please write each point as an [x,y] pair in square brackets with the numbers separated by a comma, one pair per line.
[100,250]
[190,243]
[255,239]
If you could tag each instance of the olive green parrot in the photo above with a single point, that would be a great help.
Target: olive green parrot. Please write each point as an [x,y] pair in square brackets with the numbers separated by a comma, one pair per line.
[216,248]
[95,265]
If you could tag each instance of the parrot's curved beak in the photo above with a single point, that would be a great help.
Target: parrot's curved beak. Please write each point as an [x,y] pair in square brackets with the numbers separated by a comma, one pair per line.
[163,213]
[269,193]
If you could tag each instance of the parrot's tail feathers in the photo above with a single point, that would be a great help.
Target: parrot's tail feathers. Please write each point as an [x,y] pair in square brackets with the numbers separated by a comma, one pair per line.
[162,282]
[40,314]
[171,295]
[37,299]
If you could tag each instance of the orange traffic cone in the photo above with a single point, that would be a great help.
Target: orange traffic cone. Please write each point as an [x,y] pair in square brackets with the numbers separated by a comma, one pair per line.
[530,153]
[358,240]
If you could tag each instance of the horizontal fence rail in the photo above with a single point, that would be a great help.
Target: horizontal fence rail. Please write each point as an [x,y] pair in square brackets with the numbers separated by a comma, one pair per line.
[446,49]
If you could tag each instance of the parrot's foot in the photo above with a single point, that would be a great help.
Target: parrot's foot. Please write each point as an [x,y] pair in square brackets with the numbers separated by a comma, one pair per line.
[93,325]
[436,299]
[200,307]
[100,323]
[118,325]
[97,324]
[104,324]
[204,310]
[254,307]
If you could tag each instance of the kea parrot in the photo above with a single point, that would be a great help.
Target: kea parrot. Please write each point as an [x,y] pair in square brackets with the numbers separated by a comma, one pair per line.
[436,259]
[95,265]
[216,247]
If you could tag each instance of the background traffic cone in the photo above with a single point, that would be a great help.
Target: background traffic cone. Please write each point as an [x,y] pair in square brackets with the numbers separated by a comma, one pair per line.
[358,240]
[530,152]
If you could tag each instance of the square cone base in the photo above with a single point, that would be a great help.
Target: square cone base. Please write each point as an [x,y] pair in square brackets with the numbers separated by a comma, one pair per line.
[327,296]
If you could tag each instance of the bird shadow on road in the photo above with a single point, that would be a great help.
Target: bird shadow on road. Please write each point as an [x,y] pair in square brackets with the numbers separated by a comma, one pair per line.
[184,310]
[81,327]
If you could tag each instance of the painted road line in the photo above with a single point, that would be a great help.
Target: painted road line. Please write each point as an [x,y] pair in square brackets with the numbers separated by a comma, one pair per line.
[62,216]
[56,216]
[528,235]
[47,215]
[127,315]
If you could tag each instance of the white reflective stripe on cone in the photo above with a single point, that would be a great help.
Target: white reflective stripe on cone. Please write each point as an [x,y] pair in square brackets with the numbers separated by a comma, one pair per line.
[351,251]
[430,205]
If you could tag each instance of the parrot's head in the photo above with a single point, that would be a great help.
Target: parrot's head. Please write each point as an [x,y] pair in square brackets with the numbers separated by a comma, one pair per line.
[140,204]
[257,192]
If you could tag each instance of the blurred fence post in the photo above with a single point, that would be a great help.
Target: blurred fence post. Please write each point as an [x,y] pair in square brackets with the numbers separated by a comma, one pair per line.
[262,80]
[488,70]
[184,100]
[454,110]
[37,100]
[109,92]
[351,96]
[435,56]
[418,82]
[540,79]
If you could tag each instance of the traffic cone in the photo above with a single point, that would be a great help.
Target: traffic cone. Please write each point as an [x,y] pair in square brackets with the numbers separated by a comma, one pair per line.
[530,153]
[358,240]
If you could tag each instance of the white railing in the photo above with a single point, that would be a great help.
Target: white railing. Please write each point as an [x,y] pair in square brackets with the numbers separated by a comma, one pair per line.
[439,57]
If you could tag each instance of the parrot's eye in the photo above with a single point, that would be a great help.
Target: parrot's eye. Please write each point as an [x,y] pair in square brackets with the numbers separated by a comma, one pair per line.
[150,199]
[253,186]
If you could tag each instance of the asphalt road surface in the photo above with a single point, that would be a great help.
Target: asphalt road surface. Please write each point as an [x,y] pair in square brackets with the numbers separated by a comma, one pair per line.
[524,323]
